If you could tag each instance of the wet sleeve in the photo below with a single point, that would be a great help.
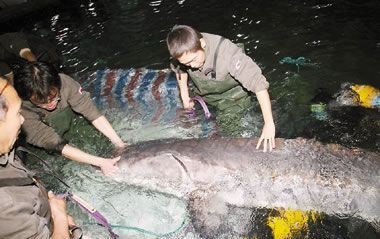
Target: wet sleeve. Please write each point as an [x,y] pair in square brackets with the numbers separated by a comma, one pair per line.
[242,67]
[80,100]
[19,217]
[40,134]
[14,42]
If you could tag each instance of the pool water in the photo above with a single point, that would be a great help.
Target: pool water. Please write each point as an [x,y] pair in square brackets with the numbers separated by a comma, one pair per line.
[334,41]
[340,40]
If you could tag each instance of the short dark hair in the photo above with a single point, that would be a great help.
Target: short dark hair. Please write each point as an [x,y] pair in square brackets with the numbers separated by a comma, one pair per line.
[183,39]
[36,79]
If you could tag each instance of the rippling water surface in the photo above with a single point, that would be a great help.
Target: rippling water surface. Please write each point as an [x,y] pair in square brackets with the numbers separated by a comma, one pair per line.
[340,41]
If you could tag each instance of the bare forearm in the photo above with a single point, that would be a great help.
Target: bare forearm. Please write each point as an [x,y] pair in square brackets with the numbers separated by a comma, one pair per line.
[61,227]
[106,165]
[59,217]
[182,79]
[265,105]
[78,155]
[104,126]
[269,130]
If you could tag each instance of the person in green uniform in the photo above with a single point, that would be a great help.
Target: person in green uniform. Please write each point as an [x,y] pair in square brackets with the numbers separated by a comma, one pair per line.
[222,74]
[26,210]
[50,103]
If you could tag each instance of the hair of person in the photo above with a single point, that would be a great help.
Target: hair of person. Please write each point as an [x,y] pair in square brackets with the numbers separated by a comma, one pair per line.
[182,39]
[36,79]
[3,102]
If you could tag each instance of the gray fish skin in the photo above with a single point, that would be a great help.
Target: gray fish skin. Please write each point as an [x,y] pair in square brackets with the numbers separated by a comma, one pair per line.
[299,174]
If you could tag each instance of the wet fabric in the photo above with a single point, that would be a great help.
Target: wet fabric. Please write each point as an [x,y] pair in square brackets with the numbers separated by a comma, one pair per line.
[228,96]
[229,99]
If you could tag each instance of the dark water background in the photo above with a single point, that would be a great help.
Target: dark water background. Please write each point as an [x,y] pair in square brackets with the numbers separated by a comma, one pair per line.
[340,38]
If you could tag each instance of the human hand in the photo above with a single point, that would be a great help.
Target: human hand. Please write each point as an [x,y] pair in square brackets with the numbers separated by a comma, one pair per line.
[108,166]
[120,145]
[70,220]
[57,206]
[267,136]
[188,104]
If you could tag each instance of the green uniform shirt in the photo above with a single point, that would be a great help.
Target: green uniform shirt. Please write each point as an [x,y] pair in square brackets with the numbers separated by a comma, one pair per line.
[39,133]
[230,60]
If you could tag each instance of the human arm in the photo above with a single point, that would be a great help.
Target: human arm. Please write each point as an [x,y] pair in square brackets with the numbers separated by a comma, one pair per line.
[269,129]
[182,79]
[235,62]
[59,217]
[107,165]
[81,102]
[41,135]
[103,125]
[249,74]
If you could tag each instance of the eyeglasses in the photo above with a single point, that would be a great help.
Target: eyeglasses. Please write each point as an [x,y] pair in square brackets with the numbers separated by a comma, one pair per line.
[49,101]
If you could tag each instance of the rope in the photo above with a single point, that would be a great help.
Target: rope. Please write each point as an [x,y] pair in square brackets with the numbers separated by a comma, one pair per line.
[183,225]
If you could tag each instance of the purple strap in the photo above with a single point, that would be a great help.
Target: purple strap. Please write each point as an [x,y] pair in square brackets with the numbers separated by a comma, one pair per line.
[204,106]
[92,211]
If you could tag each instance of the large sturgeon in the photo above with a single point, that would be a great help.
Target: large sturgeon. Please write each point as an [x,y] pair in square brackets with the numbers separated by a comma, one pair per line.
[299,174]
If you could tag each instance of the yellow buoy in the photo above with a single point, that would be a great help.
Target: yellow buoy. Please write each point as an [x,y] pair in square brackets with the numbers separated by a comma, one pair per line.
[290,223]
[367,95]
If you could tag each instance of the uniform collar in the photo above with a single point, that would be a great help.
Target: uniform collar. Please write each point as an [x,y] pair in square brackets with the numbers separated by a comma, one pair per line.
[208,59]
[8,157]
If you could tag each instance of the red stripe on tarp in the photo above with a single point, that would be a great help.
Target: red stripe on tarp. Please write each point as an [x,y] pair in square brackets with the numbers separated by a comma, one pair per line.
[132,86]
[156,85]
[156,93]
[108,85]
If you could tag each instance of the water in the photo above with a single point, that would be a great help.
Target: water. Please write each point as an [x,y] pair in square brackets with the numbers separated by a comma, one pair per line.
[340,40]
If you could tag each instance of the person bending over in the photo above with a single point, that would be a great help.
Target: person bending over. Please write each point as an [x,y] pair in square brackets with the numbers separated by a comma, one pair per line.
[222,74]
[50,103]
